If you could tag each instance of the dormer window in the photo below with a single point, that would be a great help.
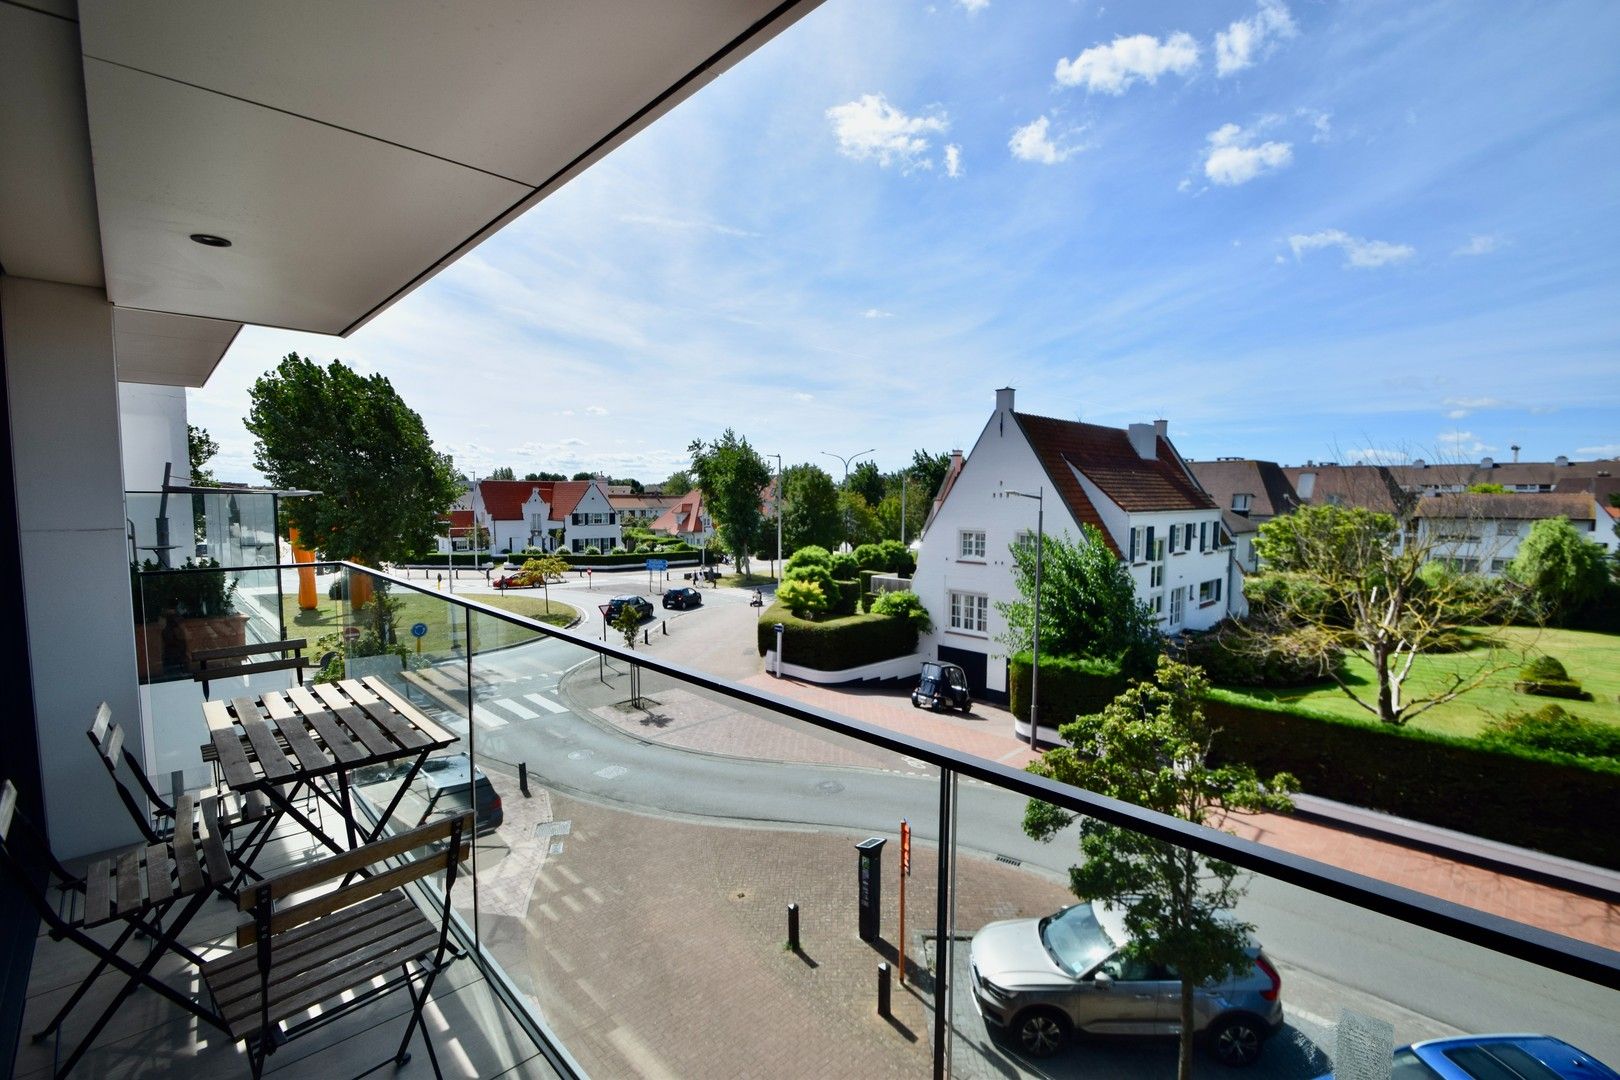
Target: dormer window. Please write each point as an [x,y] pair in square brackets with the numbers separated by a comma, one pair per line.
[1240,504]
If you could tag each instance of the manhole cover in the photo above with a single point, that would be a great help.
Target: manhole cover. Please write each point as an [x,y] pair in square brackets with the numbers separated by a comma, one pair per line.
[611,772]
[829,787]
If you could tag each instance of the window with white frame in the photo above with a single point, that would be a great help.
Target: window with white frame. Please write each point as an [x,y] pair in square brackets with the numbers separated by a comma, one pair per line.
[1023,538]
[970,544]
[1156,576]
[1240,503]
[1157,554]
[1157,604]
[970,612]
[1209,591]
[1176,606]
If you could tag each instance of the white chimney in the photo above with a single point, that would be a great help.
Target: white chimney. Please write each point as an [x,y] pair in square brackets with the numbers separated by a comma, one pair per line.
[1161,428]
[1143,440]
[1004,399]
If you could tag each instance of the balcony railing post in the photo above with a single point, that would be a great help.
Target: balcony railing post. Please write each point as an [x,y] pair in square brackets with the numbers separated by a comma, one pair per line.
[943,909]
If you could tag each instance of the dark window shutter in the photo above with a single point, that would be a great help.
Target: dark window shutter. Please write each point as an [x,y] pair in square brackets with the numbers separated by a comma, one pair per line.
[1150,541]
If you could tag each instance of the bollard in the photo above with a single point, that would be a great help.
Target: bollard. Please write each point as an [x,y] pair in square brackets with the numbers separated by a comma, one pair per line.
[665,624]
[645,639]
[523,779]
[793,927]
[883,990]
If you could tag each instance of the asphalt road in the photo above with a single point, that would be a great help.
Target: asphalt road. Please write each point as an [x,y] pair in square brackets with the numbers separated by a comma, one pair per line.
[1332,956]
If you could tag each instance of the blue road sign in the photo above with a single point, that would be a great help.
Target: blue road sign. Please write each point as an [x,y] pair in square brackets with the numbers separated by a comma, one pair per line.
[658,564]
[419,629]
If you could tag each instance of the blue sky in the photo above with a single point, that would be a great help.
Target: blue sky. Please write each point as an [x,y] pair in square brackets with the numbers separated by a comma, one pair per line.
[1295,230]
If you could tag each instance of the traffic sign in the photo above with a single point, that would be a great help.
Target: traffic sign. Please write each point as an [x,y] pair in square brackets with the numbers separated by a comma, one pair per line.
[419,629]
[658,564]
[350,633]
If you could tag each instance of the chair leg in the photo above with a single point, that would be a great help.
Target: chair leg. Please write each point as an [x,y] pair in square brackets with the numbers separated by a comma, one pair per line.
[101,965]
[419,999]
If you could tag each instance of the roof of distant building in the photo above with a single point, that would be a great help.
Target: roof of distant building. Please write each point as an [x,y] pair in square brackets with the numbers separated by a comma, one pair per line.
[1524,506]
[504,499]
[1268,488]
[686,516]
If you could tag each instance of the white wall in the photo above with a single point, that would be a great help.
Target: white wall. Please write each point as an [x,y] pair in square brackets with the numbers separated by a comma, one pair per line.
[1183,569]
[604,536]
[152,430]
[63,385]
[1001,460]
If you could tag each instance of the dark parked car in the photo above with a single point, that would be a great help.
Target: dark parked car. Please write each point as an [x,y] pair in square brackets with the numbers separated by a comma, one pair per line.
[639,604]
[1042,980]
[1492,1057]
[683,598]
[442,784]
[942,686]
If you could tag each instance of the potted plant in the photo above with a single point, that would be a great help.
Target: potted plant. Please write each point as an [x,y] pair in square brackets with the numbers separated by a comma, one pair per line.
[205,603]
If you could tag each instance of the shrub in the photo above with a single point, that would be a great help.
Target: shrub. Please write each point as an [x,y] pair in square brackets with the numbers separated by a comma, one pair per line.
[905,605]
[848,598]
[1070,686]
[843,565]
[810,555]
[1510,793]
[1552,728]
[836,644]
[1545,676]
[1235,655]
[867,598]
[803,598]
[812,572]
[620,549]
[897,558]
[592,549]
[871,557]
[1278,591]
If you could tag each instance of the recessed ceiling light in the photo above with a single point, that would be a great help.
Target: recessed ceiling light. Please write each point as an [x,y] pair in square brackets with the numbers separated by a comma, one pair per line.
[210,240]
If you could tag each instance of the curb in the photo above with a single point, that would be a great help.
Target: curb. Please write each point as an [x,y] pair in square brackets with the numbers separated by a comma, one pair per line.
[1565,874]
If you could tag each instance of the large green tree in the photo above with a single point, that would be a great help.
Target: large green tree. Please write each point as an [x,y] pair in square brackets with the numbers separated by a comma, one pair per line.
[383,488]
[809,508]
[502,472]
[1561,567]
[1088,603]
[200,449]
[1359,586]
[1150,746]
[867,481]
[732,477]
[928,471]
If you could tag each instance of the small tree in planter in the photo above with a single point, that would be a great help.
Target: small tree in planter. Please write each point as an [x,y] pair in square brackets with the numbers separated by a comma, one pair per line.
[804,598]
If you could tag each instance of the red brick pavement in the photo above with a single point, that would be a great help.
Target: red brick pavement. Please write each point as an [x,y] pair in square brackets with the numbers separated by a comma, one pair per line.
[989,734]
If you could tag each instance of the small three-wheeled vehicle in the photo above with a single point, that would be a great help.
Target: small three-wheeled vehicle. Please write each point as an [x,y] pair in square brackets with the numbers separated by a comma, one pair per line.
[942,686]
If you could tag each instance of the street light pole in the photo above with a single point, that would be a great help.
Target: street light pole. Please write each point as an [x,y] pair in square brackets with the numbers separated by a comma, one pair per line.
[776,568]
[846,461]
[1035,650]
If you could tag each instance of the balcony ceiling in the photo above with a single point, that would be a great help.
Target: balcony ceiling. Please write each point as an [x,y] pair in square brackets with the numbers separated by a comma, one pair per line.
[348,151]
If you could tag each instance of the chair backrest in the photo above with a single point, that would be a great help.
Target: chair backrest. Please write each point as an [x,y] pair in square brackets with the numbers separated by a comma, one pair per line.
[262,898]
[13,823]
[108,739]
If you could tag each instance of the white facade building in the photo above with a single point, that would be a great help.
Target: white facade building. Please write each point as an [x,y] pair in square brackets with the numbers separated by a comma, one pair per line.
[1131,484]
[1481,533]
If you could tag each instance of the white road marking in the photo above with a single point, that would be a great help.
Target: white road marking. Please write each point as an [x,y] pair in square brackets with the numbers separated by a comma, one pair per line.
[546,703]
[611,772]
[1311,1018]
[483,718]
[515,709]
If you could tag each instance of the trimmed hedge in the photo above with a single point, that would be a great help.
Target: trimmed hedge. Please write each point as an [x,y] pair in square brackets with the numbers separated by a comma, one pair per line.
[1070,687]
[1530,798]
[837,644]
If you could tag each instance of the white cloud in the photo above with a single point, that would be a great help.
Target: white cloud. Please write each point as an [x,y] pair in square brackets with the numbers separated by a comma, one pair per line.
[1462,442]
[679,225]
[876,313]
[1235,159]
[595,410]
[1607,450]
[1112,68]
[1322,122]
[1359,253]
[1462,406]
[1242,43]
[800,395]
[953,160]
[1374,456]
[1477,245]
[1033,143]
[870,128]
[973,6]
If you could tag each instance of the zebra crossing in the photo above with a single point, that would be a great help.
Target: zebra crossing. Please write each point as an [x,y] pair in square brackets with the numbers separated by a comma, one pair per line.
[501,695]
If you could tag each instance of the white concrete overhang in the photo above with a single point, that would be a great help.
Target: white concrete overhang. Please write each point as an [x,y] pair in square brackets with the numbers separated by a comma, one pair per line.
[348,151]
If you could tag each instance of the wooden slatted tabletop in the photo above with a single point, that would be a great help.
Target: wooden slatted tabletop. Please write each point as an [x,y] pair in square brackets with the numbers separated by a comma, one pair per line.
[299,734]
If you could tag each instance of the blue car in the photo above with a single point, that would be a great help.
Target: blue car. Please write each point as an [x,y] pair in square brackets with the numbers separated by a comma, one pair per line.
[1496,1057]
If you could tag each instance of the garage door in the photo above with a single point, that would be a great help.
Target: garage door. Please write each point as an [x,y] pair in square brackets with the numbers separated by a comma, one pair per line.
[973,665]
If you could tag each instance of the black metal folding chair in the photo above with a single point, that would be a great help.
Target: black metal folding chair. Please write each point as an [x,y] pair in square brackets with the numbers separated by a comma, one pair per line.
[338,948]
[138,888]
[223,813]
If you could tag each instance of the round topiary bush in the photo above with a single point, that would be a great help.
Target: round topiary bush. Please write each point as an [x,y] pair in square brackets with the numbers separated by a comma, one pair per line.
[1545,676]
[1543,667]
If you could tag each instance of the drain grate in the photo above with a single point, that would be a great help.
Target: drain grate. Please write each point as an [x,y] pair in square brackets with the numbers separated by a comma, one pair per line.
[1009,860]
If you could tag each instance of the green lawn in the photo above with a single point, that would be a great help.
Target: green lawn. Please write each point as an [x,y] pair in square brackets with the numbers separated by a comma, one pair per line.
[419,607]
[1592,659]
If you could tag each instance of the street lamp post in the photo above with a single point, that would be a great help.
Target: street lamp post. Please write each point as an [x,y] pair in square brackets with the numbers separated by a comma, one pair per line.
[776,568]
[846,461]
[1035,650]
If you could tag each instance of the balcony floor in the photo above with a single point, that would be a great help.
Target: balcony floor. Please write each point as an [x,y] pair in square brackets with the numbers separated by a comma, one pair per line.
[473,1034]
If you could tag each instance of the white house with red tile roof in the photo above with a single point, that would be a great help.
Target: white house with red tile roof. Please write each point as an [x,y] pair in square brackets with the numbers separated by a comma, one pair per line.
[569,514]
[1130,483]
[687,519]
